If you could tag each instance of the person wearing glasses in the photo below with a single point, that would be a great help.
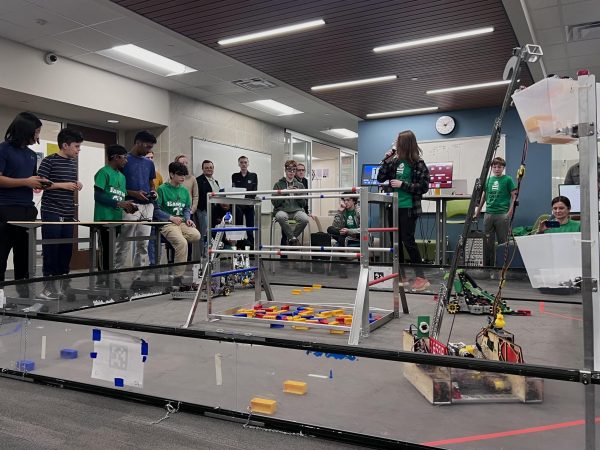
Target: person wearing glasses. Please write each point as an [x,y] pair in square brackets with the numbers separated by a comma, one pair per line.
[139,174]
[292,208]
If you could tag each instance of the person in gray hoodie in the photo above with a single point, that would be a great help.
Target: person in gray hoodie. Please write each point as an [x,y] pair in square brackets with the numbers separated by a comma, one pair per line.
[292,208]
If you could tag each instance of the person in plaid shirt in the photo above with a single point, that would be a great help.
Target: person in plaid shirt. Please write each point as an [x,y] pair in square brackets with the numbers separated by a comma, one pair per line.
[408,175]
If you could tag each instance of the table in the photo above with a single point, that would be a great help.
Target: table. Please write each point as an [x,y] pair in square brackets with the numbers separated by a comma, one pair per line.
[440,221]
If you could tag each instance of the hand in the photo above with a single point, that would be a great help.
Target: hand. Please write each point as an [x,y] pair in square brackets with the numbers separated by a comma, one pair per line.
[34,182]
[140,195]
[176,220]
[129,207]
[69,186]
[396,183]
[79,185]
[542,227]
[190,223]
[344,231]
[342,207]
[389,154]
[510,213]
[476,214]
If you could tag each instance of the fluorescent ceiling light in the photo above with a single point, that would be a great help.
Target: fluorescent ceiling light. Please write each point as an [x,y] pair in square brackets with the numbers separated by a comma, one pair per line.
[404,111]
[431,40]
[146,60]
[468,87]
[112,121]
[272,32]
[354,83]
[342,133]
[273,107]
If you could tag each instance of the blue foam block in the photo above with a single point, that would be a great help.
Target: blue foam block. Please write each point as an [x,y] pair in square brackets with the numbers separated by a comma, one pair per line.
[144,347]
[68,353]
[93,355]
[96,334]
[25,365]
[277,325]
[119,382]
[309,317]
[241,315]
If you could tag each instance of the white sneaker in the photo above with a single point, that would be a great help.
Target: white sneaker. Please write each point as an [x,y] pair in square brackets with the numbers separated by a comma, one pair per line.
[47,295]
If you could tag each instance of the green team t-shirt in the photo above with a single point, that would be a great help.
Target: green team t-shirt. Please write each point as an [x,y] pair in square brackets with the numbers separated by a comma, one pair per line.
[498,193]
[113,183]
[173,199]
[350,219]
[572,226]
[404,174]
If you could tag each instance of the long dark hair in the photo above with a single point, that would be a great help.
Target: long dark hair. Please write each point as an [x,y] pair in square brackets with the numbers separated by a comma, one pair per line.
[21,132]
[407,148]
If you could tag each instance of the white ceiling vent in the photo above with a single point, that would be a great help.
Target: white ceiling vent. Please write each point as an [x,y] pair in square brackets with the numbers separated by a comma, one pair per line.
[583,31]
[254,84]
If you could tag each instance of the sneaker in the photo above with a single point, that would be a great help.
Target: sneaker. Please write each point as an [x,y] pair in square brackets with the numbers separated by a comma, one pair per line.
[47,295]
[420,284]
[293,241]
[404,281]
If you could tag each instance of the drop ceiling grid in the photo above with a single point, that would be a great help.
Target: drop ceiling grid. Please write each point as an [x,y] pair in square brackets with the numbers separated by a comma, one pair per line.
[342,50]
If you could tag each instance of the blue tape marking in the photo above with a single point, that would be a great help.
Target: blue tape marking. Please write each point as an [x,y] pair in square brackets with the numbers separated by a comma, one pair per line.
[93,355]
[96,334]
[144,347]
[322,248]
[260,247]
[230,272]
[16,330]
[391,249]
[338,356]
[322,196]
[119,382]
[234,229]
[144,359]
[277,325]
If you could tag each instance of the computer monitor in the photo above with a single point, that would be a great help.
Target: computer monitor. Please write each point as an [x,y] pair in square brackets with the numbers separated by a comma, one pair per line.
[573,193]
[369,175]
[440,175]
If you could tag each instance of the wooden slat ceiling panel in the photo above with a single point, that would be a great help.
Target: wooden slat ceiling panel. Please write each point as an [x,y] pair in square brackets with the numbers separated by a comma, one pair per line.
[342,49]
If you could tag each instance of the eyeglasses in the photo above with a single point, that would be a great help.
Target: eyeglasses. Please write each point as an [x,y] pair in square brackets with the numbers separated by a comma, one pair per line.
[300,170]
[290,169]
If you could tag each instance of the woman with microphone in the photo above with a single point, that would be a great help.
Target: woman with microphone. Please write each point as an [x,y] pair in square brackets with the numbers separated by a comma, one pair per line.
[408,175]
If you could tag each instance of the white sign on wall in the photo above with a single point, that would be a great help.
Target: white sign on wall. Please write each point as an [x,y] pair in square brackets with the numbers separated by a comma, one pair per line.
[376,272]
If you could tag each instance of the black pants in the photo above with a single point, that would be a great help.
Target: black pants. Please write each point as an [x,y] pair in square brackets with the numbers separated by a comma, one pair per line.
[105,248]
[246,212]
[335,234]
[15,238]
[407,223]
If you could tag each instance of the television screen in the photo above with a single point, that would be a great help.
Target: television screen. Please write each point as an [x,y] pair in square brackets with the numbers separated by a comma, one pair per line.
[440,175]
[573,193]
[369,175]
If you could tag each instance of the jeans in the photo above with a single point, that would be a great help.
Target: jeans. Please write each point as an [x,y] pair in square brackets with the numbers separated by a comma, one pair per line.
[494,224]
[56,257]
[15,238]
[406,228]
[301,218]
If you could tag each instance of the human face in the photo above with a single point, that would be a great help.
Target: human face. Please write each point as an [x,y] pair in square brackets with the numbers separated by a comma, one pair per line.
[349,203]
[300,171]
[177,178]
[208,169]
[121,161]
[145,147]
[183,160]
[560,211]
[290,173]
[243,163]
[150,156]
[71,150]
[36,136]
[497,169]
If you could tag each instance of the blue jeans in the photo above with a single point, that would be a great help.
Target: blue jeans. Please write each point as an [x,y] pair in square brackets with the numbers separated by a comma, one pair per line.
[56,257]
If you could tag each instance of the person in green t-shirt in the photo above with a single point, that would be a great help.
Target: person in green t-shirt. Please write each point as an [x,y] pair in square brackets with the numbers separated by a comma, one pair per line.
[499,192]
[109,196]
[174,205]
[346,222]
[561,208]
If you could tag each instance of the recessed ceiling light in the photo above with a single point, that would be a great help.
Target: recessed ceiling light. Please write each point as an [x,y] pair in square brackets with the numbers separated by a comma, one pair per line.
[401,112]
[434,39]
[341,133]
[273,107]
[272,32]
[146,60]
[344,84]
[468,87]
[112,121]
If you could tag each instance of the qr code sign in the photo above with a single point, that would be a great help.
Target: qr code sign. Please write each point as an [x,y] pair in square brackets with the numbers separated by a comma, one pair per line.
[117,357]
[376,272]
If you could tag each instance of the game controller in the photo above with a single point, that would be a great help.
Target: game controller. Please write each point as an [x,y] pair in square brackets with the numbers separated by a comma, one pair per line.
[151,195]
[46,184]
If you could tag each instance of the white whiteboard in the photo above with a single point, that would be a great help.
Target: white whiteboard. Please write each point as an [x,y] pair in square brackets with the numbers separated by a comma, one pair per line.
[466,154]
[225,158]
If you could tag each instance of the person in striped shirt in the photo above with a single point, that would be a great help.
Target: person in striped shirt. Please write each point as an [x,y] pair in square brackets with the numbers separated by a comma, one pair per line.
[58,205]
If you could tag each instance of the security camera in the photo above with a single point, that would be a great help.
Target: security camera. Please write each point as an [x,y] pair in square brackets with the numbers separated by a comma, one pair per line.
[50,58]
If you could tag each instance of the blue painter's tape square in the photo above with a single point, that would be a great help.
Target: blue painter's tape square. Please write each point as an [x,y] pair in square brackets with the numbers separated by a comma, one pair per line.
[119,382]
[96,334]
[93,355]
[144,347]
[144,359]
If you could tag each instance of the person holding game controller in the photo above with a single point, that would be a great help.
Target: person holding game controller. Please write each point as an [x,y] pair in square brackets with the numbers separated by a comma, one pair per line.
[139,175]
[18,179]
[560,222]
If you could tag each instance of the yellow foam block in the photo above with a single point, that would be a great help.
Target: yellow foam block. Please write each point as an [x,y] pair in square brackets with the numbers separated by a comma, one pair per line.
[336,312]
[307,289]
[312,321]
[263,405]
[347,320]
[316,286]
[298,327]
[296,291]
[270,316]
[324,314]
[298,319]
[337,331]
[347,316]
[294,387]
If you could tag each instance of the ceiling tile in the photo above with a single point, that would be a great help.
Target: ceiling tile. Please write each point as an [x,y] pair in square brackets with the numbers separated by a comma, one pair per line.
[236,72]
[54,45]
[29,15]
[206,60]
[127,30]
[197,79]
[89,39]
[167,46]
[582,12]
[554,51]
[587,47]
[547,18]
[537,4]
[86,12]
[551,36]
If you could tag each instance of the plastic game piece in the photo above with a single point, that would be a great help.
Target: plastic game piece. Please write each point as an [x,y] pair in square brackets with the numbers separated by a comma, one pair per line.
[294,387]
[68,353]
[263,405]
[25,365]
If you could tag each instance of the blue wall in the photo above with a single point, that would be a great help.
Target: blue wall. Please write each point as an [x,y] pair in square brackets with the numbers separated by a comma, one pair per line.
[375,137]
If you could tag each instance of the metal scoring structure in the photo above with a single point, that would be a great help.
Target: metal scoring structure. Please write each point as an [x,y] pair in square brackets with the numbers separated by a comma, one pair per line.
[364,318]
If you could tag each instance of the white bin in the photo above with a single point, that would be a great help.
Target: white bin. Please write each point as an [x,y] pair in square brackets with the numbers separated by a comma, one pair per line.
[234,235]
[552,260]
[547,106]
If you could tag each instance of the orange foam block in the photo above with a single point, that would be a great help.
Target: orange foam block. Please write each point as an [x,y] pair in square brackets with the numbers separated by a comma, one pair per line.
[294,387]
[307,289]
[263,405]
[347,320]
[316,286]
